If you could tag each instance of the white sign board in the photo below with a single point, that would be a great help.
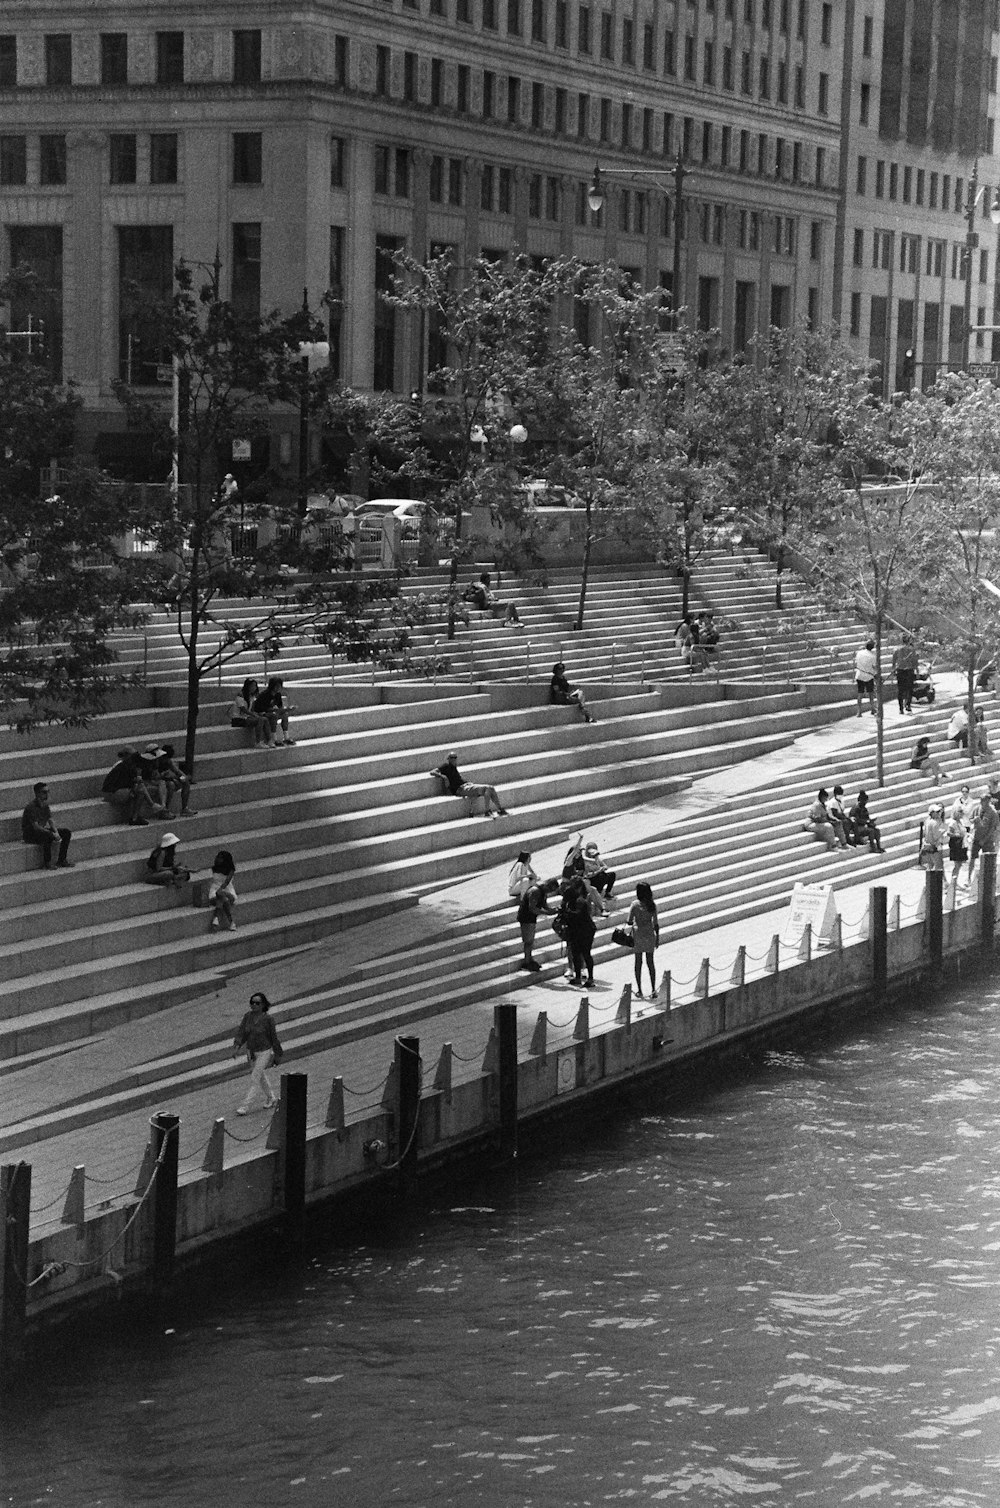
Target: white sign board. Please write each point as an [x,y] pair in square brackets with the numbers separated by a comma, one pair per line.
[241,450]
[810,905]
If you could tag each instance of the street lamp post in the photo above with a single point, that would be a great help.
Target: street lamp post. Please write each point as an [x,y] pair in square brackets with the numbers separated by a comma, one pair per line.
[595,199]
[976,192]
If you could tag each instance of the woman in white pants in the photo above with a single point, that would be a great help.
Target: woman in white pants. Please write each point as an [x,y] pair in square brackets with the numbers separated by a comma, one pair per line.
[257,1037]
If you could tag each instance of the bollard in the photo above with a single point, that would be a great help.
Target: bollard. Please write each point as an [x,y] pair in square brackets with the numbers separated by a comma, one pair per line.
[739,974]
[934,892]
[442,1079]
[581,1027]
[165,1131]
[73,1209]
[623,1016]
[15,1213]
[505,1026]
[335,1107]
[879,912]
[407,1065]
[293,1152]
[987,898]
[540,1036]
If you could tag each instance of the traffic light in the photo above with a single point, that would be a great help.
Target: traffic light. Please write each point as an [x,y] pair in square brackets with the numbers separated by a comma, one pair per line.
[909,369]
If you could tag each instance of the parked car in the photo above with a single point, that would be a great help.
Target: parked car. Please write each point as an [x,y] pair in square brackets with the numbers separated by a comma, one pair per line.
[545,494]
[407,509]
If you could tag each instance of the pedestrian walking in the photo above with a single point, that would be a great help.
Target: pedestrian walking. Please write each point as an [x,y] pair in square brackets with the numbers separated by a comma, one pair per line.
[256,1036]
[865,671]
[904,668]
[645,925]
[38,826]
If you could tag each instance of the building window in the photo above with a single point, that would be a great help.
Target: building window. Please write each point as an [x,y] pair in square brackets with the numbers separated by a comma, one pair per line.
[437,81]
[862,178]
[52,161]
[812,308]
[463,88]
[392,172]
[669,60]
[247,157]
[725,146]
[382,75]
[505,191]
[122,158]
[826,18]
[764,79]
[463,12]
[583,116]
[553,199]
[163,157]
[535,196]
[59,59]
[8,61]
[114,58]
[246,57]
[338,162]
[583,29]
[559,113]
[893,180]
[490,15]
[800,87]
[746,83]
[537,106]
[815,240]
[727,68]
[823,95]
[456,176]
[13,160]
[882,249]
[145,278]
[866,36]
[708,63]
[40,248]
[648,42]
[538,28]
[744,151]
[820,166]
[605,120]
[489,94]
[562,23]
[865,105]
[626,125]
[782,89]
[513,100]
[246,269]
[170,57]
[855,314]
[668,133]
[880,179]
[487,186]
[607,35]
[706,141]
[409,76]
[514,17]
[796,162]
[341,60]
[918,193]
[628,40]
[932,191]
[859,248]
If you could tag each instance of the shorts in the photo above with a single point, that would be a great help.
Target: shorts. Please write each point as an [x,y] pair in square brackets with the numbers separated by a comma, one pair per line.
[865,686]
[957,851]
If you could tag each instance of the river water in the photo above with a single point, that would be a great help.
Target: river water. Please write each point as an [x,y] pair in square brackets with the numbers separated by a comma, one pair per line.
[783,1291]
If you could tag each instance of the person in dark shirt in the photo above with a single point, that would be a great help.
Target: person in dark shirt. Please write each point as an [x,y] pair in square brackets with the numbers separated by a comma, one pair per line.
[124,788]
[271,704]
[256,1036]
[562,694]
[533,902]
[450,776]
[38,827]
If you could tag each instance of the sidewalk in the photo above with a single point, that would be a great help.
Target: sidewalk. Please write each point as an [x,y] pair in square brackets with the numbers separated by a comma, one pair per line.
[111,1149]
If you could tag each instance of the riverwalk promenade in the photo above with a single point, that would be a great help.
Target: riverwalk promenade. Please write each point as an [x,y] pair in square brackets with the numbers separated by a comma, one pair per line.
[90,1106]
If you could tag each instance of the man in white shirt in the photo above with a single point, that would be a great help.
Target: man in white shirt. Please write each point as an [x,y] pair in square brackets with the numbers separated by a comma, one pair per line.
[865,668]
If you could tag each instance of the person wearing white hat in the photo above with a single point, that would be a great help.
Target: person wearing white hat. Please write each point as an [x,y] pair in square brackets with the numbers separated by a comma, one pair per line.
[161,867]
[933,837]
[598,874]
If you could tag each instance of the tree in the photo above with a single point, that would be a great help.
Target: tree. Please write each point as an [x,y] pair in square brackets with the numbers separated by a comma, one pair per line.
[488,328]
[775,411]
[956,429]
[233,370]
[63,585]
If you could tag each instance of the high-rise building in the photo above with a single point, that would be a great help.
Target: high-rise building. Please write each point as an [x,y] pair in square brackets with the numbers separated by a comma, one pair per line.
[828,148]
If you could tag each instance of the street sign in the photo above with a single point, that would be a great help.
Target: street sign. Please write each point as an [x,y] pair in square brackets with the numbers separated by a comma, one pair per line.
[241,450]
[813,904]
[990,369]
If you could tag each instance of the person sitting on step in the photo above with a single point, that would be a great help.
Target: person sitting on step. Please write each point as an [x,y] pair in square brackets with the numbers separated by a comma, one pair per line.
[449,775]
[864,824]
[270,703]
[175,780]
[837,813]
[922,760]
[482,596]
[562,694]
[38,826]
[162,868]
[819,824]
[124,789]
[243,715]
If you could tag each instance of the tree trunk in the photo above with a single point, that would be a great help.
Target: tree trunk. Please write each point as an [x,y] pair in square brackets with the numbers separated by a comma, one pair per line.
[193,672]
[879,707]
[972,705]
[585,571]
[685,589]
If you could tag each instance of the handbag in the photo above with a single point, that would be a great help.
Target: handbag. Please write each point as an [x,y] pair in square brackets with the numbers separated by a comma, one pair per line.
[624,937]
[560,925]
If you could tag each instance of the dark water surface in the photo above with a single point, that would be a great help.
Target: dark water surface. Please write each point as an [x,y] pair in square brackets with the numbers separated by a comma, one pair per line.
[783,1293]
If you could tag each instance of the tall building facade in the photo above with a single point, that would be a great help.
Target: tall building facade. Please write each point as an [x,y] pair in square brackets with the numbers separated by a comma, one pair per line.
[828,148]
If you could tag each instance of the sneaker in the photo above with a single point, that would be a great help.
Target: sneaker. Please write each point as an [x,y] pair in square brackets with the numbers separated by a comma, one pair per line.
[65,864]
[289,743]
[138,822]
[590,980]
[534,966]
[502,811]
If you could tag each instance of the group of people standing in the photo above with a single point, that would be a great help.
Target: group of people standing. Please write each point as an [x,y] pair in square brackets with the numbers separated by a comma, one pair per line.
[970,828]
[576,901]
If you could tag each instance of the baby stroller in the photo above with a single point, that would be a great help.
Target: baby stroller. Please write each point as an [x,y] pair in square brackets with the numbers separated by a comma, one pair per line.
[923,683]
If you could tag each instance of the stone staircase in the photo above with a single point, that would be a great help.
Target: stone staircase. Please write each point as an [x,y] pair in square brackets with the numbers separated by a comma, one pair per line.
[627,637]
[343,828]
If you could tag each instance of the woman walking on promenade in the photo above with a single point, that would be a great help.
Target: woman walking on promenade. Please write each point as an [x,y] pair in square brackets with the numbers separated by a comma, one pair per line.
[645,924]
[257,1037]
